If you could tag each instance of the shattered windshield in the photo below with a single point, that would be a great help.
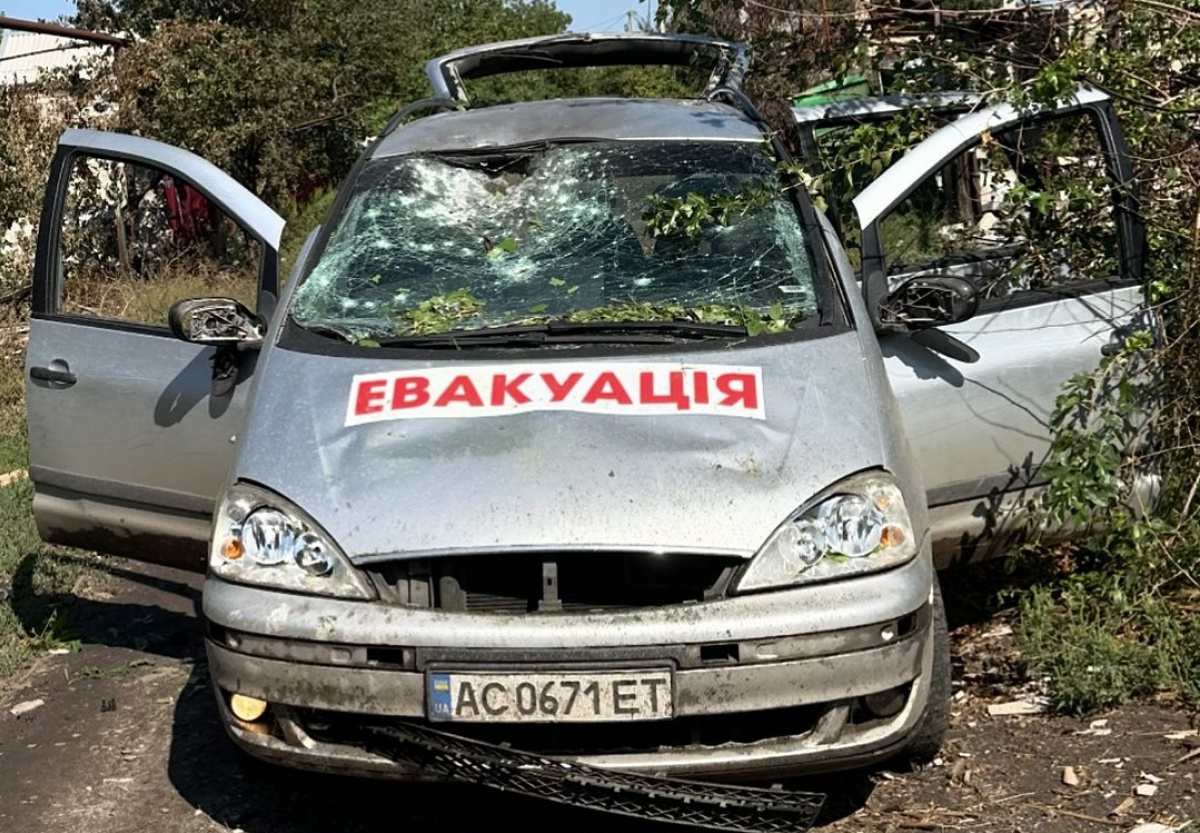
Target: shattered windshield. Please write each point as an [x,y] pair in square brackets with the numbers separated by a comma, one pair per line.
[580,232]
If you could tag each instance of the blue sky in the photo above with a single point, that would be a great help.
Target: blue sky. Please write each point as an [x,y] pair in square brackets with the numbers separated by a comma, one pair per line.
[36,9]
[597,15]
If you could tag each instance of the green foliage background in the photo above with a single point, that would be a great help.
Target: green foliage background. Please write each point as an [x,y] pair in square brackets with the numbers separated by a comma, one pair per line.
[280,93]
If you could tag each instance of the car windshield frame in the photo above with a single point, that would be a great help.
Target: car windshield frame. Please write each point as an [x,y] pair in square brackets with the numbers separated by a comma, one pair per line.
[823,303]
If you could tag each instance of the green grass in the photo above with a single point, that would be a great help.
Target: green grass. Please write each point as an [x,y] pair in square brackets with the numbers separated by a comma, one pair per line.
[1097,655]
[13,448]
[124,295]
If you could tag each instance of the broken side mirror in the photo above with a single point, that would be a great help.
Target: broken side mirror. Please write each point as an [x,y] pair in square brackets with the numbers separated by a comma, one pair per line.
[930,301]
[222,323]
[217,322]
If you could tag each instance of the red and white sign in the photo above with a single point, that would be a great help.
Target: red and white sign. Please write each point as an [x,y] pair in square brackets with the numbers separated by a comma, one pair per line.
[623,388]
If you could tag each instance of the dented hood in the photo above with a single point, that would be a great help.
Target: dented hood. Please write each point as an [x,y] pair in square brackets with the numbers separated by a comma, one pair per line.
[705,451]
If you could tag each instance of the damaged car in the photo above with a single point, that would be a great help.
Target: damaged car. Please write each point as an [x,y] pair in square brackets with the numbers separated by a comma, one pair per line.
[574,429]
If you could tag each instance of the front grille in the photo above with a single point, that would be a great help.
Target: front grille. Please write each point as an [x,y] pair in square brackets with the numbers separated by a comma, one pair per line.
[547,583]
[599,738]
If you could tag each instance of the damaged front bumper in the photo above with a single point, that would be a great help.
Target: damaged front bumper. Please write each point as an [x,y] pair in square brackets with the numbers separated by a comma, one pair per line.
[764,686]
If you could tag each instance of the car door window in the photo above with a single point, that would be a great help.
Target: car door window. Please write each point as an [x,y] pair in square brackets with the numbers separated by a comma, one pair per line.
[849,155]
[134,240]
[129,432]
[1027,208]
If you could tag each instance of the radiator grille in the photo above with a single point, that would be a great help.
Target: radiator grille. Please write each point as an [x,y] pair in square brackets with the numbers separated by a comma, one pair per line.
[548,583]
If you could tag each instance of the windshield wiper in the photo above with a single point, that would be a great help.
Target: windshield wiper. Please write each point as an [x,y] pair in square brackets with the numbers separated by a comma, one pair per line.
[567,332]
[678,329]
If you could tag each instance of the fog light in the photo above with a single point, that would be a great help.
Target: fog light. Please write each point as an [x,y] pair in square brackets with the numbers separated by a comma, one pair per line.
[247,709]
[886,703]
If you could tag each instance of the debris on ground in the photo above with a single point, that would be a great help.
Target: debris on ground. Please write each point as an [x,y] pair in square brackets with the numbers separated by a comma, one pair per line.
[697,804]
[1099,728]
[26,707]
[1032,705]
[1000,774]
[1124,807]
[9,478]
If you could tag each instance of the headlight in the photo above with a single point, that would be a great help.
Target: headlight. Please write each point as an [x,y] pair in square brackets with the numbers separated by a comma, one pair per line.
[260,538]
[858,526]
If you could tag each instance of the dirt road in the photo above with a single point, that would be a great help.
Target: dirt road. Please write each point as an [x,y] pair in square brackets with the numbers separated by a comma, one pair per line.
[126,739]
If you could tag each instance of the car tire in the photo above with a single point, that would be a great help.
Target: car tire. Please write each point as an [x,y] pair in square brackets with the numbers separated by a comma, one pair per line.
[926,740]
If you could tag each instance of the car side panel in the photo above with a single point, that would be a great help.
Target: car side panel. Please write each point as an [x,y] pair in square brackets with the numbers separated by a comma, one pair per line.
[982,429]
[138,430]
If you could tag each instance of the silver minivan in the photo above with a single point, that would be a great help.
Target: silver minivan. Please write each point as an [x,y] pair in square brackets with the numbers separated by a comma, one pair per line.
[575,428]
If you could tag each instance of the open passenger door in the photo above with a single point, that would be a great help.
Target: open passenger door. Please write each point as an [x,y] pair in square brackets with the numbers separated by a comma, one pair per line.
[129,439]
[995,197]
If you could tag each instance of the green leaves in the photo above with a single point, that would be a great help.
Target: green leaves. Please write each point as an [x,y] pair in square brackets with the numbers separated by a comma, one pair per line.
[507,246]
[281,93]
[439,314]
[693,214]
[740,316]
[459,308]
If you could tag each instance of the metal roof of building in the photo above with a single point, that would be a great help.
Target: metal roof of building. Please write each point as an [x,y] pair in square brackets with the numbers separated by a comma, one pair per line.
[24,56]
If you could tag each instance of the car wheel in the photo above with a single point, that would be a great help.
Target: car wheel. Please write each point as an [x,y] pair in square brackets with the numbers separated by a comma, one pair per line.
[926,741]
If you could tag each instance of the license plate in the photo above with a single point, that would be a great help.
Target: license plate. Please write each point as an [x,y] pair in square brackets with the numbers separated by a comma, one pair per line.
[519,697]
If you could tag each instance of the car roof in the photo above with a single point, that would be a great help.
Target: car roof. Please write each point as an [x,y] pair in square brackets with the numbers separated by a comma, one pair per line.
[612,119]
[588,49]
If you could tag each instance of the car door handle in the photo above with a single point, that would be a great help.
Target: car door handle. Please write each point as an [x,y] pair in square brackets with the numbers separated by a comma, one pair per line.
[49,374]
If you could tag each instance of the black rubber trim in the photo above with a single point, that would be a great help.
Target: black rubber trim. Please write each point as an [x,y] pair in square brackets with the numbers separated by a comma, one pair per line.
[983,487]
[707,806]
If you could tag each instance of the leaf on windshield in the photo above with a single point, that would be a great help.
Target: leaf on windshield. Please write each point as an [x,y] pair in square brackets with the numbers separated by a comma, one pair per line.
[506,246]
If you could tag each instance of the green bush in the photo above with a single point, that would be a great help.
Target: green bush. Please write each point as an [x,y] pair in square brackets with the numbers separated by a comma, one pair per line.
[1097,655]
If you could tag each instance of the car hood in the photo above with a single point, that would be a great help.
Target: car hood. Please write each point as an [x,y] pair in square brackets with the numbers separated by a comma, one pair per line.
[621,473]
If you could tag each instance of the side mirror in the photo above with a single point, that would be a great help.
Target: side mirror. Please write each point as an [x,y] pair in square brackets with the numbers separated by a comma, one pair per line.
[930,301]
[219,322]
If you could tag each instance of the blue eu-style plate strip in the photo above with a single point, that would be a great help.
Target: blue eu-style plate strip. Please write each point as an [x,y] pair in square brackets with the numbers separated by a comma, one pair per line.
[441,705]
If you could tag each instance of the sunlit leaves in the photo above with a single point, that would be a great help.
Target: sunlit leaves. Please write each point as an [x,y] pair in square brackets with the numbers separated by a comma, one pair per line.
[695,213]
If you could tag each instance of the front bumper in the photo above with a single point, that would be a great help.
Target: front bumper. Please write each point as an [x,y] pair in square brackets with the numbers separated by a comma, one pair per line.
[757,693]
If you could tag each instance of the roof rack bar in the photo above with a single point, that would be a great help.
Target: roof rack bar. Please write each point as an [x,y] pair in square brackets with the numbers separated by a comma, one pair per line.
[447,72]
[42,28]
